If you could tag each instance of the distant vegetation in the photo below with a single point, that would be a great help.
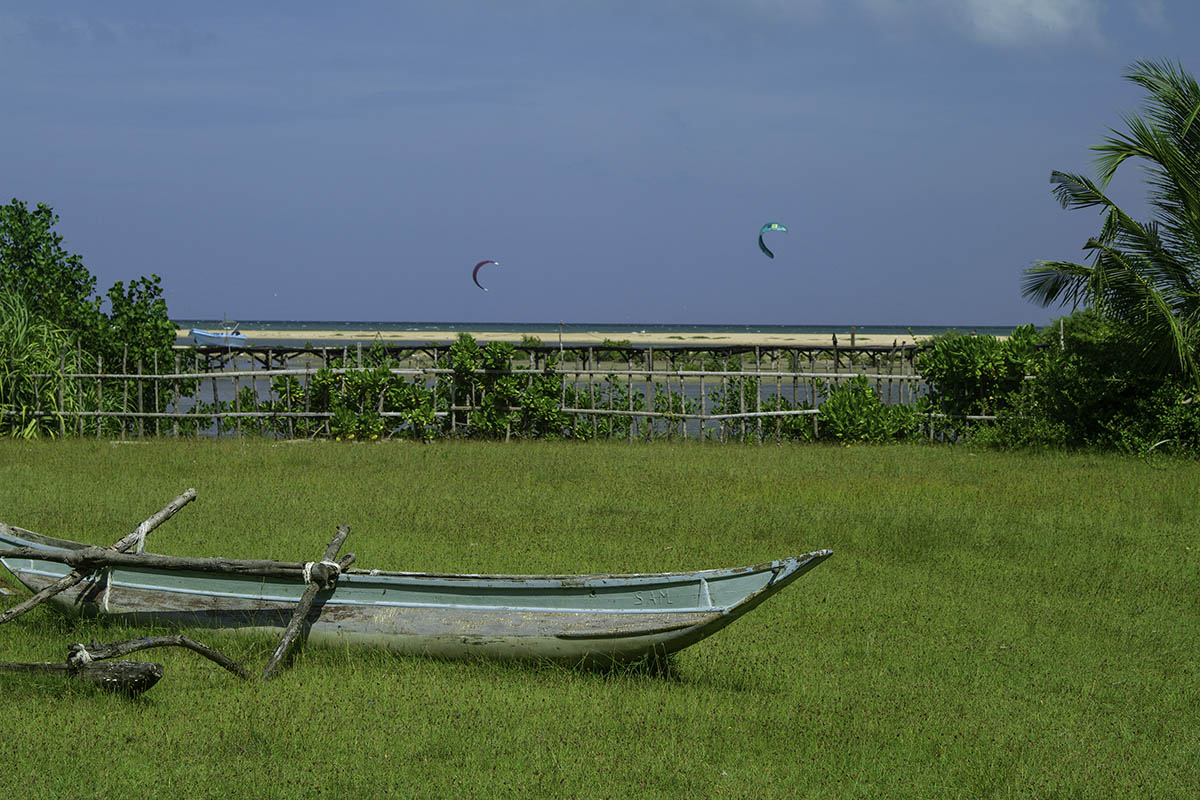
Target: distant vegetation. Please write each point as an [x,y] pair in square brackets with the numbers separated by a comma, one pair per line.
[50,316]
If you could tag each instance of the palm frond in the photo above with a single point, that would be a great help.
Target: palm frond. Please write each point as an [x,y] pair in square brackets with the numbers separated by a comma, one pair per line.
[1075,191]
[1051,282]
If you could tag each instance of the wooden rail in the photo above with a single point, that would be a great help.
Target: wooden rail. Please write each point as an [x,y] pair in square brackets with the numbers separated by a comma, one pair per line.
[724,399]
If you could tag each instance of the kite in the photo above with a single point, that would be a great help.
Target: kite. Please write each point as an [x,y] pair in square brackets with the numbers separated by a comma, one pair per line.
[475,274]
[770,226]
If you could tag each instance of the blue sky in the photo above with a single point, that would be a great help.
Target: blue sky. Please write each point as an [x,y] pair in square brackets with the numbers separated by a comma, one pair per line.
[354,160]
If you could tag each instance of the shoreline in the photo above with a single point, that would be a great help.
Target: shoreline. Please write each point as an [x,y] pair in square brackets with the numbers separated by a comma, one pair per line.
[326,337]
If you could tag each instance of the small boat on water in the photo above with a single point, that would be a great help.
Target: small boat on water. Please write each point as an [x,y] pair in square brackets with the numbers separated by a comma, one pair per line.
[228,336]
[573,618]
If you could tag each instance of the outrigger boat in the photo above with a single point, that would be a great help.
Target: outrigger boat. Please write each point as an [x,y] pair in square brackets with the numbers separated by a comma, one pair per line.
[573,618]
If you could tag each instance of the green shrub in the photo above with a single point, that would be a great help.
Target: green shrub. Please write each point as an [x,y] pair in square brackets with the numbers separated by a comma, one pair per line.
[976,375]
[1093,389]
[854,412]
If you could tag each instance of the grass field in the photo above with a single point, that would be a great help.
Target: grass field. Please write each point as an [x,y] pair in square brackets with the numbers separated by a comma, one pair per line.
[990,625]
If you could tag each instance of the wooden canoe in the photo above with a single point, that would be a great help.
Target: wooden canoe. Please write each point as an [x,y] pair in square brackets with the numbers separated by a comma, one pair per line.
[574,618]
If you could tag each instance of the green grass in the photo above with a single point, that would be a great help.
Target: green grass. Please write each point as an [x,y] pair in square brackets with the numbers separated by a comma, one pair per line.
[999,625]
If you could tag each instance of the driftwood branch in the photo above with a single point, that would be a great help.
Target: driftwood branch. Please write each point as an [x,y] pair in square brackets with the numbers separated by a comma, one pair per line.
[325,579]
[120,546]
[78,654]
[125,677]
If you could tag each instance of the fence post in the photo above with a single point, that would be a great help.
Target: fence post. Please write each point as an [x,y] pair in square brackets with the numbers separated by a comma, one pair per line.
[79,387]
[216,405]
[99,394]
[157,408]
[742,392]
[124,387]
[629,390]
[651,392]
[62,377]
[591,363]
[237,399]
[199,387]
[175,419]
[141,428]
[812,396]
[307,403]
[758,426]
[254,386]
[778,394]
[724,397]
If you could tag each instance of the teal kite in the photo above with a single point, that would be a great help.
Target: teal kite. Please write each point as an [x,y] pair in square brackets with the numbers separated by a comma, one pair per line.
[770,226]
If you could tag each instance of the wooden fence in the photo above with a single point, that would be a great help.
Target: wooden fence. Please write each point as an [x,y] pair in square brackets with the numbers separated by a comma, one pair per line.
[746,393]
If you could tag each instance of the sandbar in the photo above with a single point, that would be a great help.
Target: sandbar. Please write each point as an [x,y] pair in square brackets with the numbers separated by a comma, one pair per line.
[576,338]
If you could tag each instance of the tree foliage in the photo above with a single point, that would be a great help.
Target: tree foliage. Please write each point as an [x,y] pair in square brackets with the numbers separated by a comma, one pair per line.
[1143,276]
[54,285]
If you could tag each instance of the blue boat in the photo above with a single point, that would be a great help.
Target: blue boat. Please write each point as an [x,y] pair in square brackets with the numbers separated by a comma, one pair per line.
[228,337]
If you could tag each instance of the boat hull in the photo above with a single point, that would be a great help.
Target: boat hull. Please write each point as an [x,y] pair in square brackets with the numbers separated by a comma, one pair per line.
[217,338]
[588,618]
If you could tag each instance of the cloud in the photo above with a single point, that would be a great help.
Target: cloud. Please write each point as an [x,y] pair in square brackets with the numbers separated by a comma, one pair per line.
[1020,21]
[1150,13]
[999,22]
[78,32]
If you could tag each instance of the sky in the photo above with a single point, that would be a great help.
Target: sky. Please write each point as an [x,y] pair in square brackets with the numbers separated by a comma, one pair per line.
[354,160]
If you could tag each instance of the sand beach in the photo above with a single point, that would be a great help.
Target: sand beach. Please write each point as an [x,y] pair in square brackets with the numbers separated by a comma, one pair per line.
[575,338]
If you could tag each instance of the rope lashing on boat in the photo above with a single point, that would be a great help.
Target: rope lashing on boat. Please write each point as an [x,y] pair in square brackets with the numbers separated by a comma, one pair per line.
[334,570]
[107,587]
[79,655]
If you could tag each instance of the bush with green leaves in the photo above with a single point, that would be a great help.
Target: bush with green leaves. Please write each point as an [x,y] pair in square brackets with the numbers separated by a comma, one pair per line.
[854,412]
[358,401]
[976,375]
[54,286]
[1095,389]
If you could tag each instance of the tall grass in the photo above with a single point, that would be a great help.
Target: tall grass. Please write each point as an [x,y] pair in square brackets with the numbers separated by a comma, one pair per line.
[30,352]
[1006,625]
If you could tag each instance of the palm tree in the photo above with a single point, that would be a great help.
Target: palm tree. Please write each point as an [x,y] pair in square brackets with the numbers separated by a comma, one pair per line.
[1144,276]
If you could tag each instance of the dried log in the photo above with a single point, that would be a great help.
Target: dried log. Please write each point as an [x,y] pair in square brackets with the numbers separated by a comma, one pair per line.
[88,559]
[121,545]
[322,576]
[78,654]
[129,678]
